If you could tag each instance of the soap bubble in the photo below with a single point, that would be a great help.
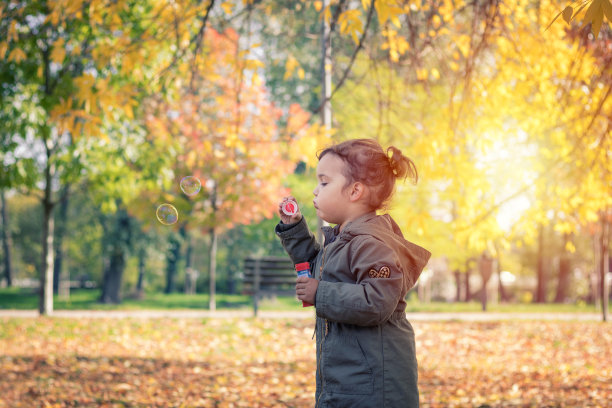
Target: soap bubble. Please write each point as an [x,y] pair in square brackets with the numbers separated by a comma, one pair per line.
[190,185]
[167,214]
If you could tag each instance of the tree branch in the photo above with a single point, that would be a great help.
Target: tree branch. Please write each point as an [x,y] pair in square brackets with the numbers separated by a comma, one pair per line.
[199,39]
[359,47]
[195,39]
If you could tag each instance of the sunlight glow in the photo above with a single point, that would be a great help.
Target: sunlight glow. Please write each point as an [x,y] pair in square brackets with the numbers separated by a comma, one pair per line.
[511,211]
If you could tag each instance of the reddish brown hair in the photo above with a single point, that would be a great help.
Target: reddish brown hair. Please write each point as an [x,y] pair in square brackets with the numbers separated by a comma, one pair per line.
[367,162]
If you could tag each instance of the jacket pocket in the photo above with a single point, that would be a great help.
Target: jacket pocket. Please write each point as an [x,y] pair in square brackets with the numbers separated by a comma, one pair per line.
[345,367]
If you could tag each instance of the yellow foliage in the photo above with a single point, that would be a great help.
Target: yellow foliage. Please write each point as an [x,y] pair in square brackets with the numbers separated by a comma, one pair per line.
[396,45]
[17,55]
[388,10]
[227,7]
[564,227]
[436,21]
[463,43]
[253,64]
[59,51]
[84,85]
[312,140]
[421,74]
[12,32]
[3,48]
[350,23]
[593,11]
[290,66]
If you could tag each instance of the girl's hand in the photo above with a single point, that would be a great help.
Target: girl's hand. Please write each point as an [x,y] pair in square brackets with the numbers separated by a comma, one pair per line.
[289,219]
[306,289]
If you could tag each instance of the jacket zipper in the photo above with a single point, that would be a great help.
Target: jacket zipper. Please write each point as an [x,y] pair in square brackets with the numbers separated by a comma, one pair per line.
[323,334]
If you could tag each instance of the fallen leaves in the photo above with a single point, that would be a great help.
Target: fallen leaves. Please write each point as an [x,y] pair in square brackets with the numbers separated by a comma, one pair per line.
[271,363]
[514,364]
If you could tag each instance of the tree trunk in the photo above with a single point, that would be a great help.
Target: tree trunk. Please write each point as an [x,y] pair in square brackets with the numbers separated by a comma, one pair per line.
[172,258]
[114,276]
[105,276]
[503,295]
[188,250]
[563,283]
[540,295]
[6,242]
[603,266]
[468,272]
[142,253]
[119,242]
[457,274]
[60,231]
[45,304]
[231,281]
[190,273]
[485,267]
[468,293]
[213,268]
[326,91]
[212,255]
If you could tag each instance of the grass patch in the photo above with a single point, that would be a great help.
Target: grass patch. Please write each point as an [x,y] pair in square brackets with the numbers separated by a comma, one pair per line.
[474,307]
[87,299]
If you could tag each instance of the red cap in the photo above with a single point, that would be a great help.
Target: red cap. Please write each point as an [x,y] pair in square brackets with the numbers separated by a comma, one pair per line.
[302,266]
[290,207]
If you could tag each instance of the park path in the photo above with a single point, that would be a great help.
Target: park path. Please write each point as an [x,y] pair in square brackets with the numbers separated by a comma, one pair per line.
[265,314]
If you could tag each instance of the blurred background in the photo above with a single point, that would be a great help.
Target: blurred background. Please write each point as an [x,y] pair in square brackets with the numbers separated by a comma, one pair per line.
[146,144]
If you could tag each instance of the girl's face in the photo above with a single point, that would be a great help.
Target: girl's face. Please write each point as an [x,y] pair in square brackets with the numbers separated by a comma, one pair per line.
[331,195]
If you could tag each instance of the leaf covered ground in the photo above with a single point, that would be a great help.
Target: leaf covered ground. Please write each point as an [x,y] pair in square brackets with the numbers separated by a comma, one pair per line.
[270,363]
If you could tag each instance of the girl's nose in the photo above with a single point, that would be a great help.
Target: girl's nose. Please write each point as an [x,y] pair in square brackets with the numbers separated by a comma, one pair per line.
[315,191]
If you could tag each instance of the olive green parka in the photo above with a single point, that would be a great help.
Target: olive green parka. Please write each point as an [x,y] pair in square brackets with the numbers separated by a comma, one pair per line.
[365,345]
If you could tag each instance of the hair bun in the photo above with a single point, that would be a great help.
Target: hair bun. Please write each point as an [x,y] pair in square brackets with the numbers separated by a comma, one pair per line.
[401,166]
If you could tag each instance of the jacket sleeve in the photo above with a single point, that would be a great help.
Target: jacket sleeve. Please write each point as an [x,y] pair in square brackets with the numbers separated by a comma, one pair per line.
[377,291]
[298,241]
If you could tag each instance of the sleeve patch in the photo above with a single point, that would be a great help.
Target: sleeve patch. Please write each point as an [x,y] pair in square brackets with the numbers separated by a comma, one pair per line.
[384,272]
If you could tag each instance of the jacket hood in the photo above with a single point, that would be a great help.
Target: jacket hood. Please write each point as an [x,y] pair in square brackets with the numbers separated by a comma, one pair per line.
[412,257]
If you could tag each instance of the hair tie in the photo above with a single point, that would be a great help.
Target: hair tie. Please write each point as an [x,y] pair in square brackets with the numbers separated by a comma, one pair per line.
[392,163]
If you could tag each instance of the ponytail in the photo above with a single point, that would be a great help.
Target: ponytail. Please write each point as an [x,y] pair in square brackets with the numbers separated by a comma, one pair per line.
[401,166]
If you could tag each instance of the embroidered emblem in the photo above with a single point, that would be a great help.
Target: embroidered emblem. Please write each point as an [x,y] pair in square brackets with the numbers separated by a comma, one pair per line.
[384,272]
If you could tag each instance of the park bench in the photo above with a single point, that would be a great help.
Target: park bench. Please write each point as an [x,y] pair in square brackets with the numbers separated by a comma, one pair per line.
[268,276]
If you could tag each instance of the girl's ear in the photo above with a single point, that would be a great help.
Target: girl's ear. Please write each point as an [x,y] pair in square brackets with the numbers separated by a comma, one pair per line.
[357,191]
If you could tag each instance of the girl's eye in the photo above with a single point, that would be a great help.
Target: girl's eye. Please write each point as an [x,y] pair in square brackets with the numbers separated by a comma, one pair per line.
[323,184]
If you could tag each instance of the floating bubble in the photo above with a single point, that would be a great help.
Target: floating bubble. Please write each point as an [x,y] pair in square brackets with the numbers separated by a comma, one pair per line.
[190,185]
[167,214]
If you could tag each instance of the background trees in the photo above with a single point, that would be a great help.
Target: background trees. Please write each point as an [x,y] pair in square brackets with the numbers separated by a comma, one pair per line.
[506,118]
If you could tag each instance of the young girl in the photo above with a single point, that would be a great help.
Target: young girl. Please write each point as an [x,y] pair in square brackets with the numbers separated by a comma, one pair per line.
[361,274]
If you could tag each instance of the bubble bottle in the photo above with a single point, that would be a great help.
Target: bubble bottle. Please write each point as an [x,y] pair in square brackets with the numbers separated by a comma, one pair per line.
[303,269]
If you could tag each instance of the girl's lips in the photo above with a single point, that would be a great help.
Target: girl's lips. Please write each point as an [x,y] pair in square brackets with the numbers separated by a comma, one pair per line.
[315,205]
